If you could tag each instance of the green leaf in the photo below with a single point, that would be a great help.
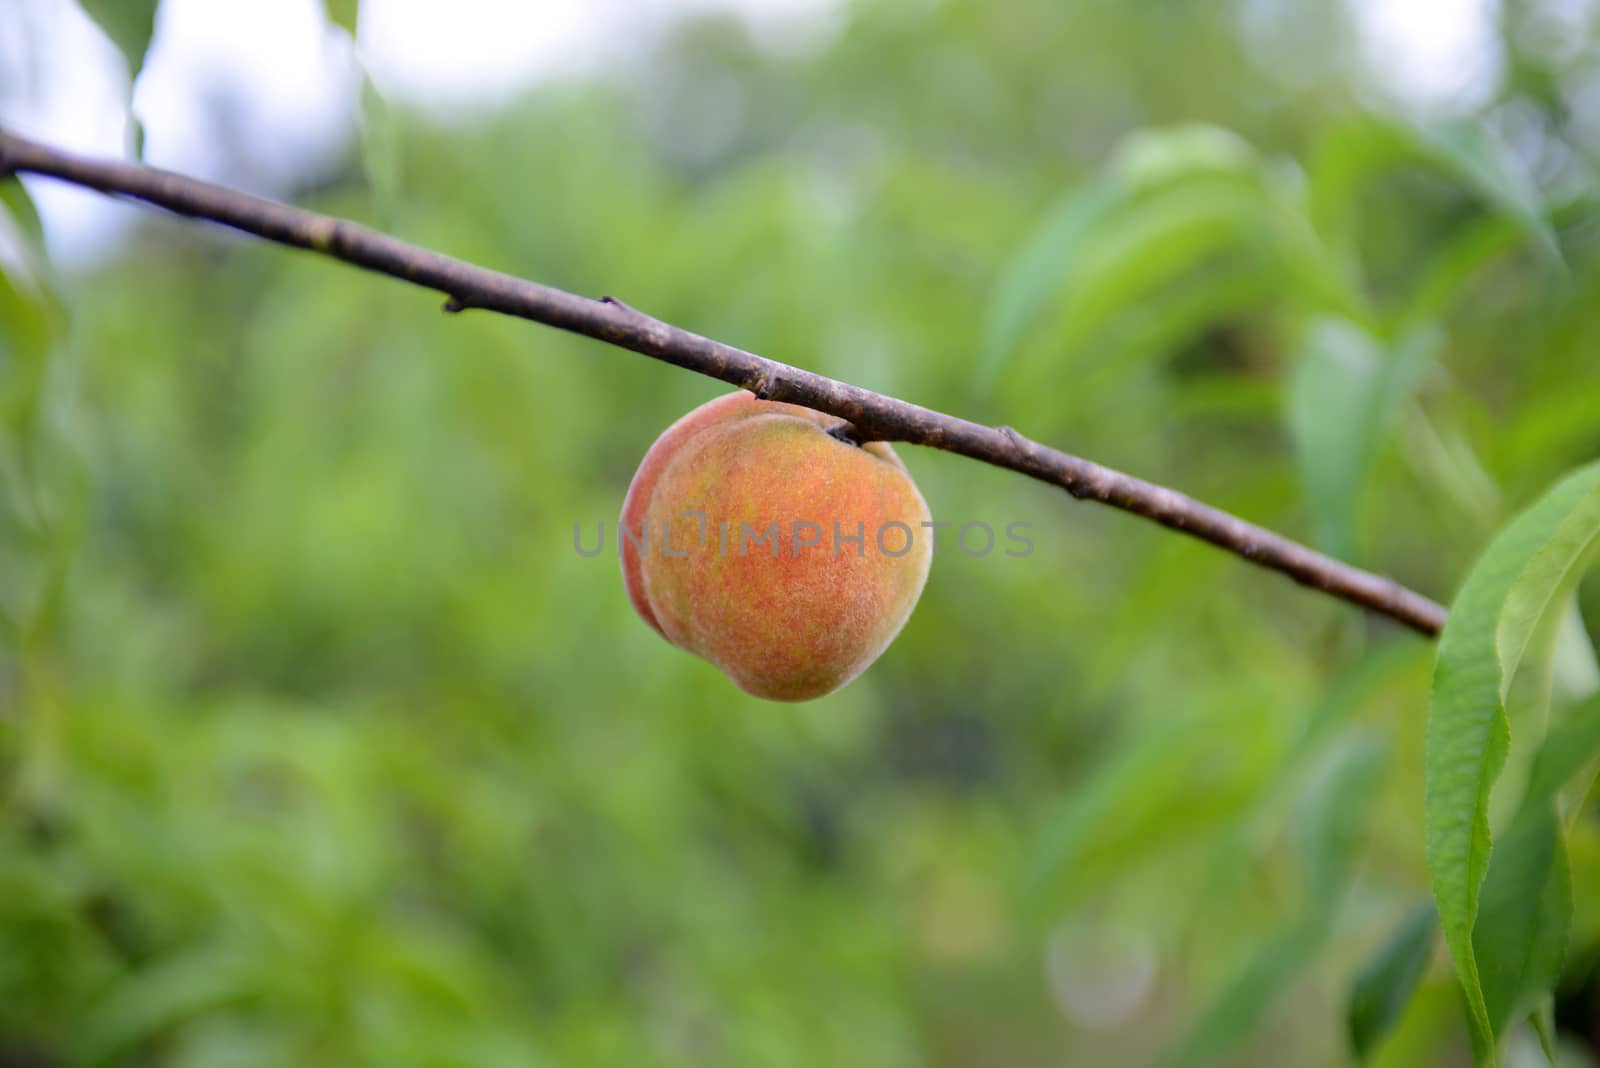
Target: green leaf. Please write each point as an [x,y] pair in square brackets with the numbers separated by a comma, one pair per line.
[1149,158]
[1329,829]
[1187,226]
[1144,767]
[1333,815]
[1354,153]
[1237,1011]
[19,208]
[344,14]
[1344,394]
[1543,1022]
[1526,907]
[1524,912]
[1574,668]
[129,23]
[19,205]
[161,995]
[1135,251]
[1148,167]
[1387,980]
[1034,273]
[1486,164]
[30,323]
[1546,579]
[1455,263]
[1347,692]
[1162,325]
[1518,576]
[380,153]
[1566,750]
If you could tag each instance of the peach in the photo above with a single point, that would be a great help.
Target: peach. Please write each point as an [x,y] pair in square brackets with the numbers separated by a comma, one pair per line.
[787,557]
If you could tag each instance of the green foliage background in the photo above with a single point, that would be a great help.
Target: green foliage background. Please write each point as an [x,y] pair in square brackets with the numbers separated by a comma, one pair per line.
[320,744]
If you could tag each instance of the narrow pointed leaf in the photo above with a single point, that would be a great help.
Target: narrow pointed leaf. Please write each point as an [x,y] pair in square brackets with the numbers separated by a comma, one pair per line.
[344,14]
[1490,622]
[1178,178]
[1139,250]
[1543,1022]
[19,205]
[1386,982]
[1486,164]
[1525,910]
[380,155]
[1566,750]
[1464,150]
[1330,824]
[1034,274]
[1345,392]
[129,23]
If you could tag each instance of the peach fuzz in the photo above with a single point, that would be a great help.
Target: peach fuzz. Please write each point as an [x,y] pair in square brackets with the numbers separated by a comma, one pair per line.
[787,619]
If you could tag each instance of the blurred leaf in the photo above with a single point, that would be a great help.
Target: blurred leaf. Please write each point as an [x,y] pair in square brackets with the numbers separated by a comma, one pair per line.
[344,14]
[1455,262]
[1187,227]
[19,205]
[1149,158]
[1132,252]
[1027,282]
[1169,197]
[1389,978]
[1443,457]
[144,1004]
[1148,781]
[1344,696]
[1574,668]
[1331,819]
[1569,747]
[1329,829]
[1164,324]
[32,252]
[1344,395]
[1315,279]
[1525,908]
[1486,164]
[1144,768]
[1490,622]
[129,23]
[380,152]
[1355,152]
[1237,1011]
[1543,1021]
[29,325]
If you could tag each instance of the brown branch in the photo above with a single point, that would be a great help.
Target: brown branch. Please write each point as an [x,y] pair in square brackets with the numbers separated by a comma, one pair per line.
[872,416]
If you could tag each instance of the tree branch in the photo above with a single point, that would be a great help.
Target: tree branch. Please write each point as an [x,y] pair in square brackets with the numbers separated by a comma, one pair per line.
[872,416]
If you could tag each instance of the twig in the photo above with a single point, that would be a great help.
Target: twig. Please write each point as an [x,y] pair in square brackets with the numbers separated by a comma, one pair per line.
[872,416]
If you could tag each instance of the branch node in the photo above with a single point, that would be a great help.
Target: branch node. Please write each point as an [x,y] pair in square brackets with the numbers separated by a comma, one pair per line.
[456,304]
[626,308]
[762,386]
[846,431]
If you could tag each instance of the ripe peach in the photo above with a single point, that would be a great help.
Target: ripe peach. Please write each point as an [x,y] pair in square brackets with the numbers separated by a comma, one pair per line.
[785,556]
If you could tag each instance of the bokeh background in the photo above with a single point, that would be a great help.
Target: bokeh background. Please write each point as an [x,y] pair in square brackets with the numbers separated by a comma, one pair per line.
[320,744]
